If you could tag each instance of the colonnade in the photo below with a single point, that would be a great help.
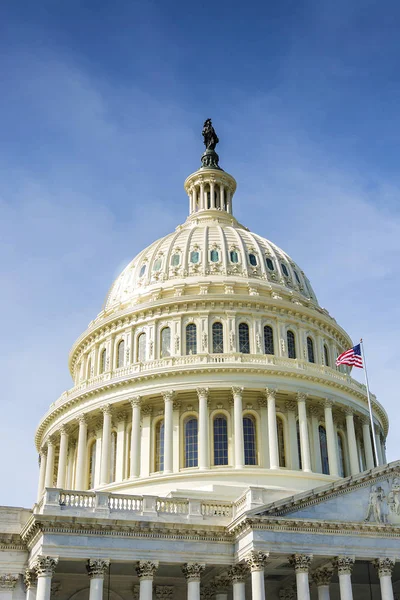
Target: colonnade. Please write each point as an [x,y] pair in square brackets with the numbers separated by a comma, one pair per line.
[302,429]
[38,580]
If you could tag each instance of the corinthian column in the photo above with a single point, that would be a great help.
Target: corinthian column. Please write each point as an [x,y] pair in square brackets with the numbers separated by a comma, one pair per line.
[344,565]
[369,455]
[192,572]
[96,569]
[62,459]
[42,472]
[238,575]
[303,428]
[385,567]
[331,439]
[257,561]
[48,480]
[105,446]
[351,440]
[7,585]
[238,426]
[30,580]
[44,567]
[80,476]
[135,438]
[272,430]
[204,460]
[145,571]
[322,578]
[301,563]
[168,431]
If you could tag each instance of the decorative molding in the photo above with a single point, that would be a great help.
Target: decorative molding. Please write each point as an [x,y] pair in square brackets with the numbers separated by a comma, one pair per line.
[193,571]
[239,573]
[301,562]
[146,569]
[222,583]
[291,406]
[322,576]
[97,567]
[30,579]
[344,564]
[384,566]
[256,560]
[135,592]
[8,581]
[164,592]
[237,391]
[45,566]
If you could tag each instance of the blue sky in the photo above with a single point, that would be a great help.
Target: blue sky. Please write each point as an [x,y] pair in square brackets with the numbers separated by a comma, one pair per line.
[101,111]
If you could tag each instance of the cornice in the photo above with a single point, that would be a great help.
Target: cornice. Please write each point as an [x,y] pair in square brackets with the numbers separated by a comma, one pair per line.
[76,396]
[12,542]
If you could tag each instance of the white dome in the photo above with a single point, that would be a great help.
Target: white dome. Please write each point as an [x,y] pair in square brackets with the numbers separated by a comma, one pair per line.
[213,247]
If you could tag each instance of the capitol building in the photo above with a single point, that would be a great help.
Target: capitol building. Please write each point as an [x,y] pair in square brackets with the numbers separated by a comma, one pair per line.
[209,448]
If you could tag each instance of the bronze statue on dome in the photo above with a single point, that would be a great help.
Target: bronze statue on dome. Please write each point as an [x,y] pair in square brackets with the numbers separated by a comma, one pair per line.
[209,135]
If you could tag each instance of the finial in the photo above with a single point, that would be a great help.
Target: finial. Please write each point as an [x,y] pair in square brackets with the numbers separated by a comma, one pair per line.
[210,158]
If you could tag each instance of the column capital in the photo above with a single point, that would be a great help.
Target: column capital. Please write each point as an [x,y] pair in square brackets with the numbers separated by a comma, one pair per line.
[256,560]
[135,401]
[301,396]
[147,409]
[237,391]
[168,395]
[263,402]
[222,583]
[146,569]
[193,571]
[8,581]
[238,573]
[30,579]
[290,406]
[202,393]
[384,566]
[96,567]
[106,409]
[121,417]
[82,419]
[51,440]
[365,420]
[64,430]
[45,566]
[301,562]
[328,403]
[322,576]
[344,564]
[271,392]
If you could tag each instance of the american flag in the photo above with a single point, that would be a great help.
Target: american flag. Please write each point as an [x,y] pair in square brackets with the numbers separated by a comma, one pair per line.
[351,357]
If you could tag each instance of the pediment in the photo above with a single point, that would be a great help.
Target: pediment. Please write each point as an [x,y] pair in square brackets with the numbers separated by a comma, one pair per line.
[372,496]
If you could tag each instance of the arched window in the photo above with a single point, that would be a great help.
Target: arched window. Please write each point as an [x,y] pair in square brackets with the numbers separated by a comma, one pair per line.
[324,450]
[191,446]
[194,257]
[220,440]
[217,338]
[281,442]
[268,340]
[191,339]
[284,270]
[92,465]
[253,260]
[234,256]
[342,469]
[165,342]
[121,354]
[249,439]
[310,350]
[103,360]
[244,338]
[214,256]
[291,344]
[157,264]
[159,458]
[297,276]
[270,264]
[113,456]
[175,260]
[326,355]
[299,444]
[141,346]
[142,270]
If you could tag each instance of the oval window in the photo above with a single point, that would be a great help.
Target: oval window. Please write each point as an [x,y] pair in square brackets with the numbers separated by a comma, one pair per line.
[270,264]
[234,256]
[142,271]
[253,260]
[175,260]
[284,270]
[214,256]
[157,265]
[194,257]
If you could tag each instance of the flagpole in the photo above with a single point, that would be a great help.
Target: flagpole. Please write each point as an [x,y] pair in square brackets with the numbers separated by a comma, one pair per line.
[369,403]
